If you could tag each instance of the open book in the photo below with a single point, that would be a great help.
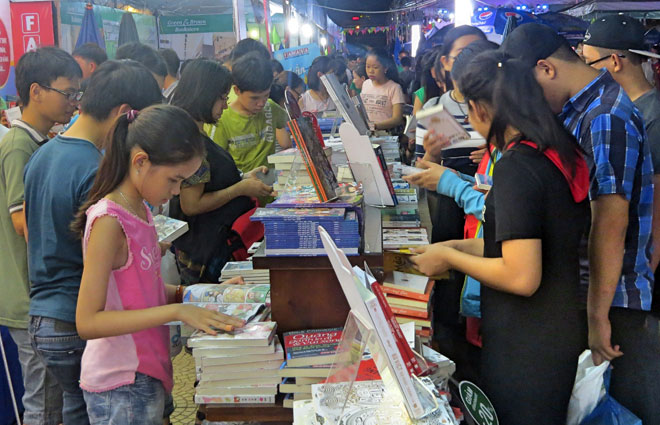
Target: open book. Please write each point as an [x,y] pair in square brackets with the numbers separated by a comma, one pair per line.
[442,122]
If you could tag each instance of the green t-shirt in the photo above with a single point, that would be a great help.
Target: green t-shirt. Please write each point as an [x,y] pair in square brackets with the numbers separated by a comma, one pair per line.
[249,139]
[354,88]
[16,148]
[420,94]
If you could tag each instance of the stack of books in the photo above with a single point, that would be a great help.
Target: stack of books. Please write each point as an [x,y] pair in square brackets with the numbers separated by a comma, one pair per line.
[409,296]
[401,216]
[390,147]
[290,168]
[309,357]
[294,231]
[237,367]
[227,293]
[397,238]
[245,269]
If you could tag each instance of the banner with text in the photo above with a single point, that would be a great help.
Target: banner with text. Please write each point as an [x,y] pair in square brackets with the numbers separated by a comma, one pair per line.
[32,26]
[298,59]
[195,36]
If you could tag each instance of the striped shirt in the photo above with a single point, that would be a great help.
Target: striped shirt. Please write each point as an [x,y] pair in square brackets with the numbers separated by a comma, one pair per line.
[611,131]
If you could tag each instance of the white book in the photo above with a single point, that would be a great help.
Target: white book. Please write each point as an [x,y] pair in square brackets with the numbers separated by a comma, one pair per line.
[232,351]
[243,374]
[207,362]
[215,390]
[235,399]
[437,118]
[168,228]
[243,382]
[239,367]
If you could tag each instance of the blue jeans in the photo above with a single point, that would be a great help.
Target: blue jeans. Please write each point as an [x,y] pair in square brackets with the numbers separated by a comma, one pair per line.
[140,403]
[60,348]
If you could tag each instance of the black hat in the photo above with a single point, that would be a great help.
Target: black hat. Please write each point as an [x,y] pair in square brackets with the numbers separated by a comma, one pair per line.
[618,32]
[532,42]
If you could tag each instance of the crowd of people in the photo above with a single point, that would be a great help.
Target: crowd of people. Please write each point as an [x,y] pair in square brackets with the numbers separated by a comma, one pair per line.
[557,257]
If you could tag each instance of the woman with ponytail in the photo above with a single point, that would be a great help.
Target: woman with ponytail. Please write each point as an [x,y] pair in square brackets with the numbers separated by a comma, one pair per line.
[123,304]
[535,214]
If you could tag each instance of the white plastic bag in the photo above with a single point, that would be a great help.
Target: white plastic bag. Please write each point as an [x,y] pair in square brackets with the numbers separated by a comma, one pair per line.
[588,388]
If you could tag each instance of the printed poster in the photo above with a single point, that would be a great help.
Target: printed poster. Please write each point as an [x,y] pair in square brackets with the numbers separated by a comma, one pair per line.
[298,59]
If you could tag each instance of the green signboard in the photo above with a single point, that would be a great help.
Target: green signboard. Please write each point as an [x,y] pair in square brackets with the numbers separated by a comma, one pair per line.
[477,404]
[193,24]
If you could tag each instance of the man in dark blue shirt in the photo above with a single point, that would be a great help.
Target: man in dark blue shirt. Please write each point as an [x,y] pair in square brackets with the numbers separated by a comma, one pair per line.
[611,131]
[57,181]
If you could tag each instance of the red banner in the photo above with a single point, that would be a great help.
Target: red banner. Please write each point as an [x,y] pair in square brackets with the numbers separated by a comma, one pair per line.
[32,26]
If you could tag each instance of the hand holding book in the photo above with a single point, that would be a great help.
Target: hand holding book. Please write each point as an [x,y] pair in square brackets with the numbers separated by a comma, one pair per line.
[434,144]
[429,178]
[253,187]
[206,320]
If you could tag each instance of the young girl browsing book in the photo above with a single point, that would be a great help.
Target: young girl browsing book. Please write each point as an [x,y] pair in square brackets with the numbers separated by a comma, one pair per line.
[533,327]
[123,303]
[382,94]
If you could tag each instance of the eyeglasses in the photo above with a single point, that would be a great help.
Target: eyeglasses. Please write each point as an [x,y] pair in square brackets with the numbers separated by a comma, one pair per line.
[70,96]
[603,58]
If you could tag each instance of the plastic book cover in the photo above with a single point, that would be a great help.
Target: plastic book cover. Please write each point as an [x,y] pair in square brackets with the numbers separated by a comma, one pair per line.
[310,347]
[227,293]
[256,333]
[168,228]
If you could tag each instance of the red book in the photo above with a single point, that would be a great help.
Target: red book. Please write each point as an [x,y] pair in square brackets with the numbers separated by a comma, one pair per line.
[410,294]
[410,312]
[402,344]
[311,347]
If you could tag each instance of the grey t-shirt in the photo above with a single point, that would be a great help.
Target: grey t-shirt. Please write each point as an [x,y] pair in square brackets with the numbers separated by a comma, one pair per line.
[649,105]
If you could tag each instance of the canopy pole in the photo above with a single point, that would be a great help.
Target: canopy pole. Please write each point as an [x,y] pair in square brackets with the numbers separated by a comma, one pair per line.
[240,29]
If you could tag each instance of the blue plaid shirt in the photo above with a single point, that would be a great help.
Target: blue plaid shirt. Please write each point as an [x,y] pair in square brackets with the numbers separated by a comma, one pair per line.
[611,131]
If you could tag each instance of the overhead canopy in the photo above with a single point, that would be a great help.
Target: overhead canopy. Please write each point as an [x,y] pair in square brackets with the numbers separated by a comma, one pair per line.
[638,9]
[345,19]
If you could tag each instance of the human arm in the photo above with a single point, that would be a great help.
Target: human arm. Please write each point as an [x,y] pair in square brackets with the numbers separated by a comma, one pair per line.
[13,167]
[417,105]
[283,138]
[195,202]
[609,222]
[397,118]
[518,271]
[433,145]
[18,221]
[280,119]
[107,250]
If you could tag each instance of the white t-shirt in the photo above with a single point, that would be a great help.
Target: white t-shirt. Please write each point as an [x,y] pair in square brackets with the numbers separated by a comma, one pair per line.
[379,100]
[310,104]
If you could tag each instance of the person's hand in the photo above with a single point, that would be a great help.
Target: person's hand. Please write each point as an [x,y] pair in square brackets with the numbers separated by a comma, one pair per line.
[431,259]
[477,156]
[238,280]
[253,173]
[600,341]
[205,320]
[434,143]
[429,178]
[254,187]
[164,246]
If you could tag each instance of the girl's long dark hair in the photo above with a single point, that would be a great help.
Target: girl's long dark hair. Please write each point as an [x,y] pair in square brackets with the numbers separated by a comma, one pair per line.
[166,133]
[509,86]
[427,81]
[387,61]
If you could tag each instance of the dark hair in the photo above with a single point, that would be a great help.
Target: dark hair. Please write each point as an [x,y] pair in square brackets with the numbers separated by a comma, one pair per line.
[338,67]
[406,61]
[277,66]
[495,78]
[320,64]
[144,54]
[116,83]
[361,70]
[456,33]
[566,53]
[426,79]
[91,52]
[252,73]
[166,133]
[43,66]
[172,61]
[200,86]
[277,91]
[352,57]
[386,60]
[290,79]
[184,64]
[470,52]
[248,45]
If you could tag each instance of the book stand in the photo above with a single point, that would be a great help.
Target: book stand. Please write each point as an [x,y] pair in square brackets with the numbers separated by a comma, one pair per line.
[292,183]
[364,174]
[359,338]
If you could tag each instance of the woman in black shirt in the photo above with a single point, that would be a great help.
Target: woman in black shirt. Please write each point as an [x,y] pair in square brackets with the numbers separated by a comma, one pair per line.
[216,195]
[533,328]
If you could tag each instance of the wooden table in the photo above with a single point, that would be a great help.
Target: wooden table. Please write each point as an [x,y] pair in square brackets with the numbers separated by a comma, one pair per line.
[273,415]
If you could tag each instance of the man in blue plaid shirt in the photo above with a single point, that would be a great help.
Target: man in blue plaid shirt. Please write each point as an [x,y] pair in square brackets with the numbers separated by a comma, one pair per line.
[611,132]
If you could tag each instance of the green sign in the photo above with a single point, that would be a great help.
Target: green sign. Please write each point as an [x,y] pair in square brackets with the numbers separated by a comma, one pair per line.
[477,404]
[193,24]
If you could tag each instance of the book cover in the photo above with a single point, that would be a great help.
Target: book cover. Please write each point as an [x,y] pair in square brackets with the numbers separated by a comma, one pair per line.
[316,371]
[241,382]
[311,347]
[399,261]
[401,318]
[411,312]
[405,302]
[168,228]
[332,214]
[227,293]
[252,334]
[290,386]
[244,311]
[212,390]
[239,399]
[438,119]
[242,374]
[386,172]
[412,290]
[243,366]
[209,364]
[198,353]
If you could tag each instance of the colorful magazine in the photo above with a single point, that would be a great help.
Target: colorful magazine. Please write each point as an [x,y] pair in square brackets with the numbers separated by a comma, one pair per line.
[311,347]
[252,334]
[227,293]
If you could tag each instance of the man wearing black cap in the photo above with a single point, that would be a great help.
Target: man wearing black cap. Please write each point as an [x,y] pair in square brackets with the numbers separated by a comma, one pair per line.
[616,42]
[620,281]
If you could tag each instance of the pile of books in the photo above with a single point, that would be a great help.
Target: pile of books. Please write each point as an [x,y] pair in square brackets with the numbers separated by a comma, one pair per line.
[389,146]
[309,357]
[401,216]
[294,231]
[397,238]
[244,268]
[290,168]
[227,293]
[237,367]
[409,296]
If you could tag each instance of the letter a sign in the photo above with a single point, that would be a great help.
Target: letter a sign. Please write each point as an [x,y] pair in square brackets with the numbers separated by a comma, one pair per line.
[33,26]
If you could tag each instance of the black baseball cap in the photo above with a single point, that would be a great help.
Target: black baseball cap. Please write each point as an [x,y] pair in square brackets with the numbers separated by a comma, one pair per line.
[618,32]
[532,42]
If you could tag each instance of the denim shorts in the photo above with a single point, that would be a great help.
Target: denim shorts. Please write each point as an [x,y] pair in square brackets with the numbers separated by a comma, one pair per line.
[140,403]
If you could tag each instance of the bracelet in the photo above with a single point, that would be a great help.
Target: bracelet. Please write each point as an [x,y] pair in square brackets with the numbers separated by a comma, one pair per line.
[178,295]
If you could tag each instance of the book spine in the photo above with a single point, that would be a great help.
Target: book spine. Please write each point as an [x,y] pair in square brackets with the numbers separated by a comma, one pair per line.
[410,312]
[311,167]
[239,399]
[401,342]
[406,294]
[394,359]
[386,173]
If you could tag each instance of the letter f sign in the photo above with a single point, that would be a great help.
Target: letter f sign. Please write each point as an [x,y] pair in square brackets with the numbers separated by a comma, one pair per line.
[30,22]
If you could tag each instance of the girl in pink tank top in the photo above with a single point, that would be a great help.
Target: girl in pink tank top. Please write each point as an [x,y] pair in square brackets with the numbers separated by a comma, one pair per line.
[123,303]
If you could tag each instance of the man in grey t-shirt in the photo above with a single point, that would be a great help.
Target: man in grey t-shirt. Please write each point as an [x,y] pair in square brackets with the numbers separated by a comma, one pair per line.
[616,42]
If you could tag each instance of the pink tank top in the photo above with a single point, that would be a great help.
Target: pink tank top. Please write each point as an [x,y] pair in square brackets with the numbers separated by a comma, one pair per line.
[112,362]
